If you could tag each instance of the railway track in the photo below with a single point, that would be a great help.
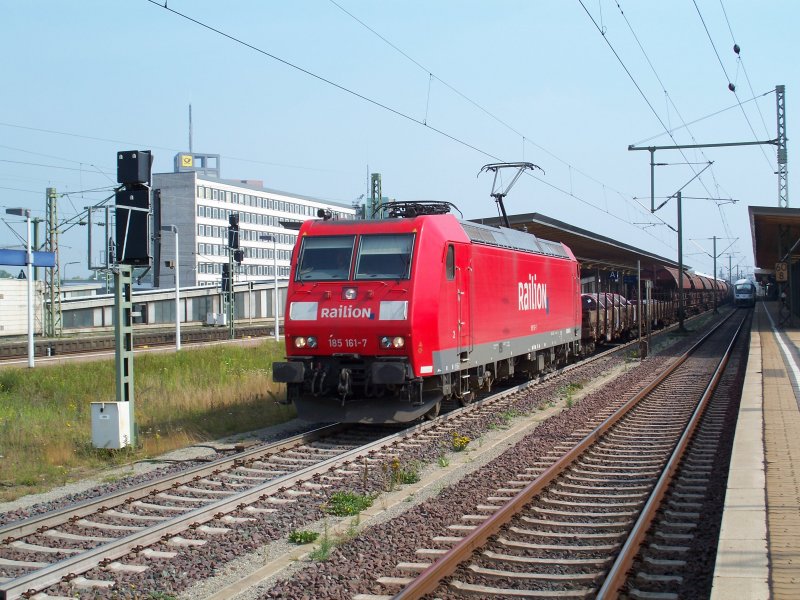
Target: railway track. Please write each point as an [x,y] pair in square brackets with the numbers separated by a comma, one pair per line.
[144,338]
[43,550]
[572,528]
[116,533]
[121,536]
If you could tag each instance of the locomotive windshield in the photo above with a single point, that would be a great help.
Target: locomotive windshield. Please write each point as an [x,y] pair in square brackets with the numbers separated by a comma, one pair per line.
[384,256]
[326,258]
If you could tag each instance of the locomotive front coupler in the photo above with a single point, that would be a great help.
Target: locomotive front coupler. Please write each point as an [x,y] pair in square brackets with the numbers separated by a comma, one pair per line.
[344,388]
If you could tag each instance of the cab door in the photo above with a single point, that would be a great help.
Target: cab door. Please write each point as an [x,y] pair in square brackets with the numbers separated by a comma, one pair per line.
[463,274]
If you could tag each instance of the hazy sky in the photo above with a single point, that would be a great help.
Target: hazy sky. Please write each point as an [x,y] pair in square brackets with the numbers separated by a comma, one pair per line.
[425,93]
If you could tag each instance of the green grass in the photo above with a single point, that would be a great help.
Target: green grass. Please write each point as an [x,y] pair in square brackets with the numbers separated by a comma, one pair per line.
[179,398]
[346,504]
[303,537]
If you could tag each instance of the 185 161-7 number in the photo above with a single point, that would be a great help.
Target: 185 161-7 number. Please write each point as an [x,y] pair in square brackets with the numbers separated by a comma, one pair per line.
[347,343]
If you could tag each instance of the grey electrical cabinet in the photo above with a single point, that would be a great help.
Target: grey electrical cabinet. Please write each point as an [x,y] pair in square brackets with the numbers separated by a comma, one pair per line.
[111,424]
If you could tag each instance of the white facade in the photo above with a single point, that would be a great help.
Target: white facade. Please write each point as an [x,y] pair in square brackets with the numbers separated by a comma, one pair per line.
[200,206]
[14,307]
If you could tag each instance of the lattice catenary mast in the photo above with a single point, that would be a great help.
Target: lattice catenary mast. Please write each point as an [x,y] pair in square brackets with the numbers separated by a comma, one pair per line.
[783,173]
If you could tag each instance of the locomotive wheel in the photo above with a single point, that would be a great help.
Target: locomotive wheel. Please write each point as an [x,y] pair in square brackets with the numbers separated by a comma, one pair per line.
[433,412]
[466,398]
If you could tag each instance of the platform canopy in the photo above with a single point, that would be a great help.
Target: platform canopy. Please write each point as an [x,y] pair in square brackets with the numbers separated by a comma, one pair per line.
[775,232]
[590,248]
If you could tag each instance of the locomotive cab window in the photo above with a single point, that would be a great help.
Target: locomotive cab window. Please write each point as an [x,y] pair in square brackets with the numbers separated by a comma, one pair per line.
[325,258]
[451,262]
[384,256]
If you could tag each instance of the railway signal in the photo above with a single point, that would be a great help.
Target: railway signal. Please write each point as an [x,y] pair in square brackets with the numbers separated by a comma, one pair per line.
[133,208]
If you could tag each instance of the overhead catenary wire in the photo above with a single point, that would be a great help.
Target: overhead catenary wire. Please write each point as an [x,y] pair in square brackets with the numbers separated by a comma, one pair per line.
[142,145]
[666,94]
[741,62]
[731,85]
[668,131]
[708,116]
[638,87]
[368,99]
[483,109]
[525,138]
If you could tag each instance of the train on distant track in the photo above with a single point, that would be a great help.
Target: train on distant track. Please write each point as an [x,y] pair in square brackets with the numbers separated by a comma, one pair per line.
[744,293]
[388,318]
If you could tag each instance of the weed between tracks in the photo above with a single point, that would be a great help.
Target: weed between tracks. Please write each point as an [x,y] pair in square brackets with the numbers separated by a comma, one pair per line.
[568,393]
[180,398]
[328,542]
[303,537]
[347,504]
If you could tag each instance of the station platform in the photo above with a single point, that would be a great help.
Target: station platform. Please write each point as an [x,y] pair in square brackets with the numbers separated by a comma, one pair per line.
[758,556]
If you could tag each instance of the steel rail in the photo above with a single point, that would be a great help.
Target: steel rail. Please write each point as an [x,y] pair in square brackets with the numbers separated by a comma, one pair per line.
[618,573]
[17,529]
[431,577]
[52,574]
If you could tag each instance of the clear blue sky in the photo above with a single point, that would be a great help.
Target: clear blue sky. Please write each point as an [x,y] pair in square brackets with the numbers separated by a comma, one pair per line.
[83,79]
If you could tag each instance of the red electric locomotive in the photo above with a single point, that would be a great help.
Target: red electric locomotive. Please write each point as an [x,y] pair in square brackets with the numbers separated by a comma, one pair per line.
[387,318]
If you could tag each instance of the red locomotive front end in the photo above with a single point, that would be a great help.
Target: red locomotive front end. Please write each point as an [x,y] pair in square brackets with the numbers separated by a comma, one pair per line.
[347,323]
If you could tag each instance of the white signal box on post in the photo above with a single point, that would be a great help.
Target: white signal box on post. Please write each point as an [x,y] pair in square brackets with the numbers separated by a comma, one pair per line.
[111,424]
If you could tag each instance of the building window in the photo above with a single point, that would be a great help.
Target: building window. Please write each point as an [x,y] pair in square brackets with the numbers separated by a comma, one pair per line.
[73,319]
[164,311]
[202,305]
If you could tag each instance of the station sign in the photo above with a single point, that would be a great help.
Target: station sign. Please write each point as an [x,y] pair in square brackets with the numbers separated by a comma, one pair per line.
[19,258]
[781,271]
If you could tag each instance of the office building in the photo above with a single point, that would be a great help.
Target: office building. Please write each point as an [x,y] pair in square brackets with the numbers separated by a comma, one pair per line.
[199,203]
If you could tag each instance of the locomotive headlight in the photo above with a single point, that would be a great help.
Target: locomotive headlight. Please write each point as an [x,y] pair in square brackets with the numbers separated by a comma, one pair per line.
[302,342]
[349,293]
[392,342]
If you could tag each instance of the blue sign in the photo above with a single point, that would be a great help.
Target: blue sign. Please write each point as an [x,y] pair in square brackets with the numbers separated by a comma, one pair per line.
[630,279]
[18,258]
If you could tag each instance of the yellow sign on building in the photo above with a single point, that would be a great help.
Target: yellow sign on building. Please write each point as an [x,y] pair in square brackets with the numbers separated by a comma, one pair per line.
[781,271]
[186,160]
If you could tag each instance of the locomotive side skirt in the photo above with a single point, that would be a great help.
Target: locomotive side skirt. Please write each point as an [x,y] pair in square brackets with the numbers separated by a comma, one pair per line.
[448,361]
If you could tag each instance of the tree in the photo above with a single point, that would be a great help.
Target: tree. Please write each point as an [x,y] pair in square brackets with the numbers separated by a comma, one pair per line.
[5,274]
